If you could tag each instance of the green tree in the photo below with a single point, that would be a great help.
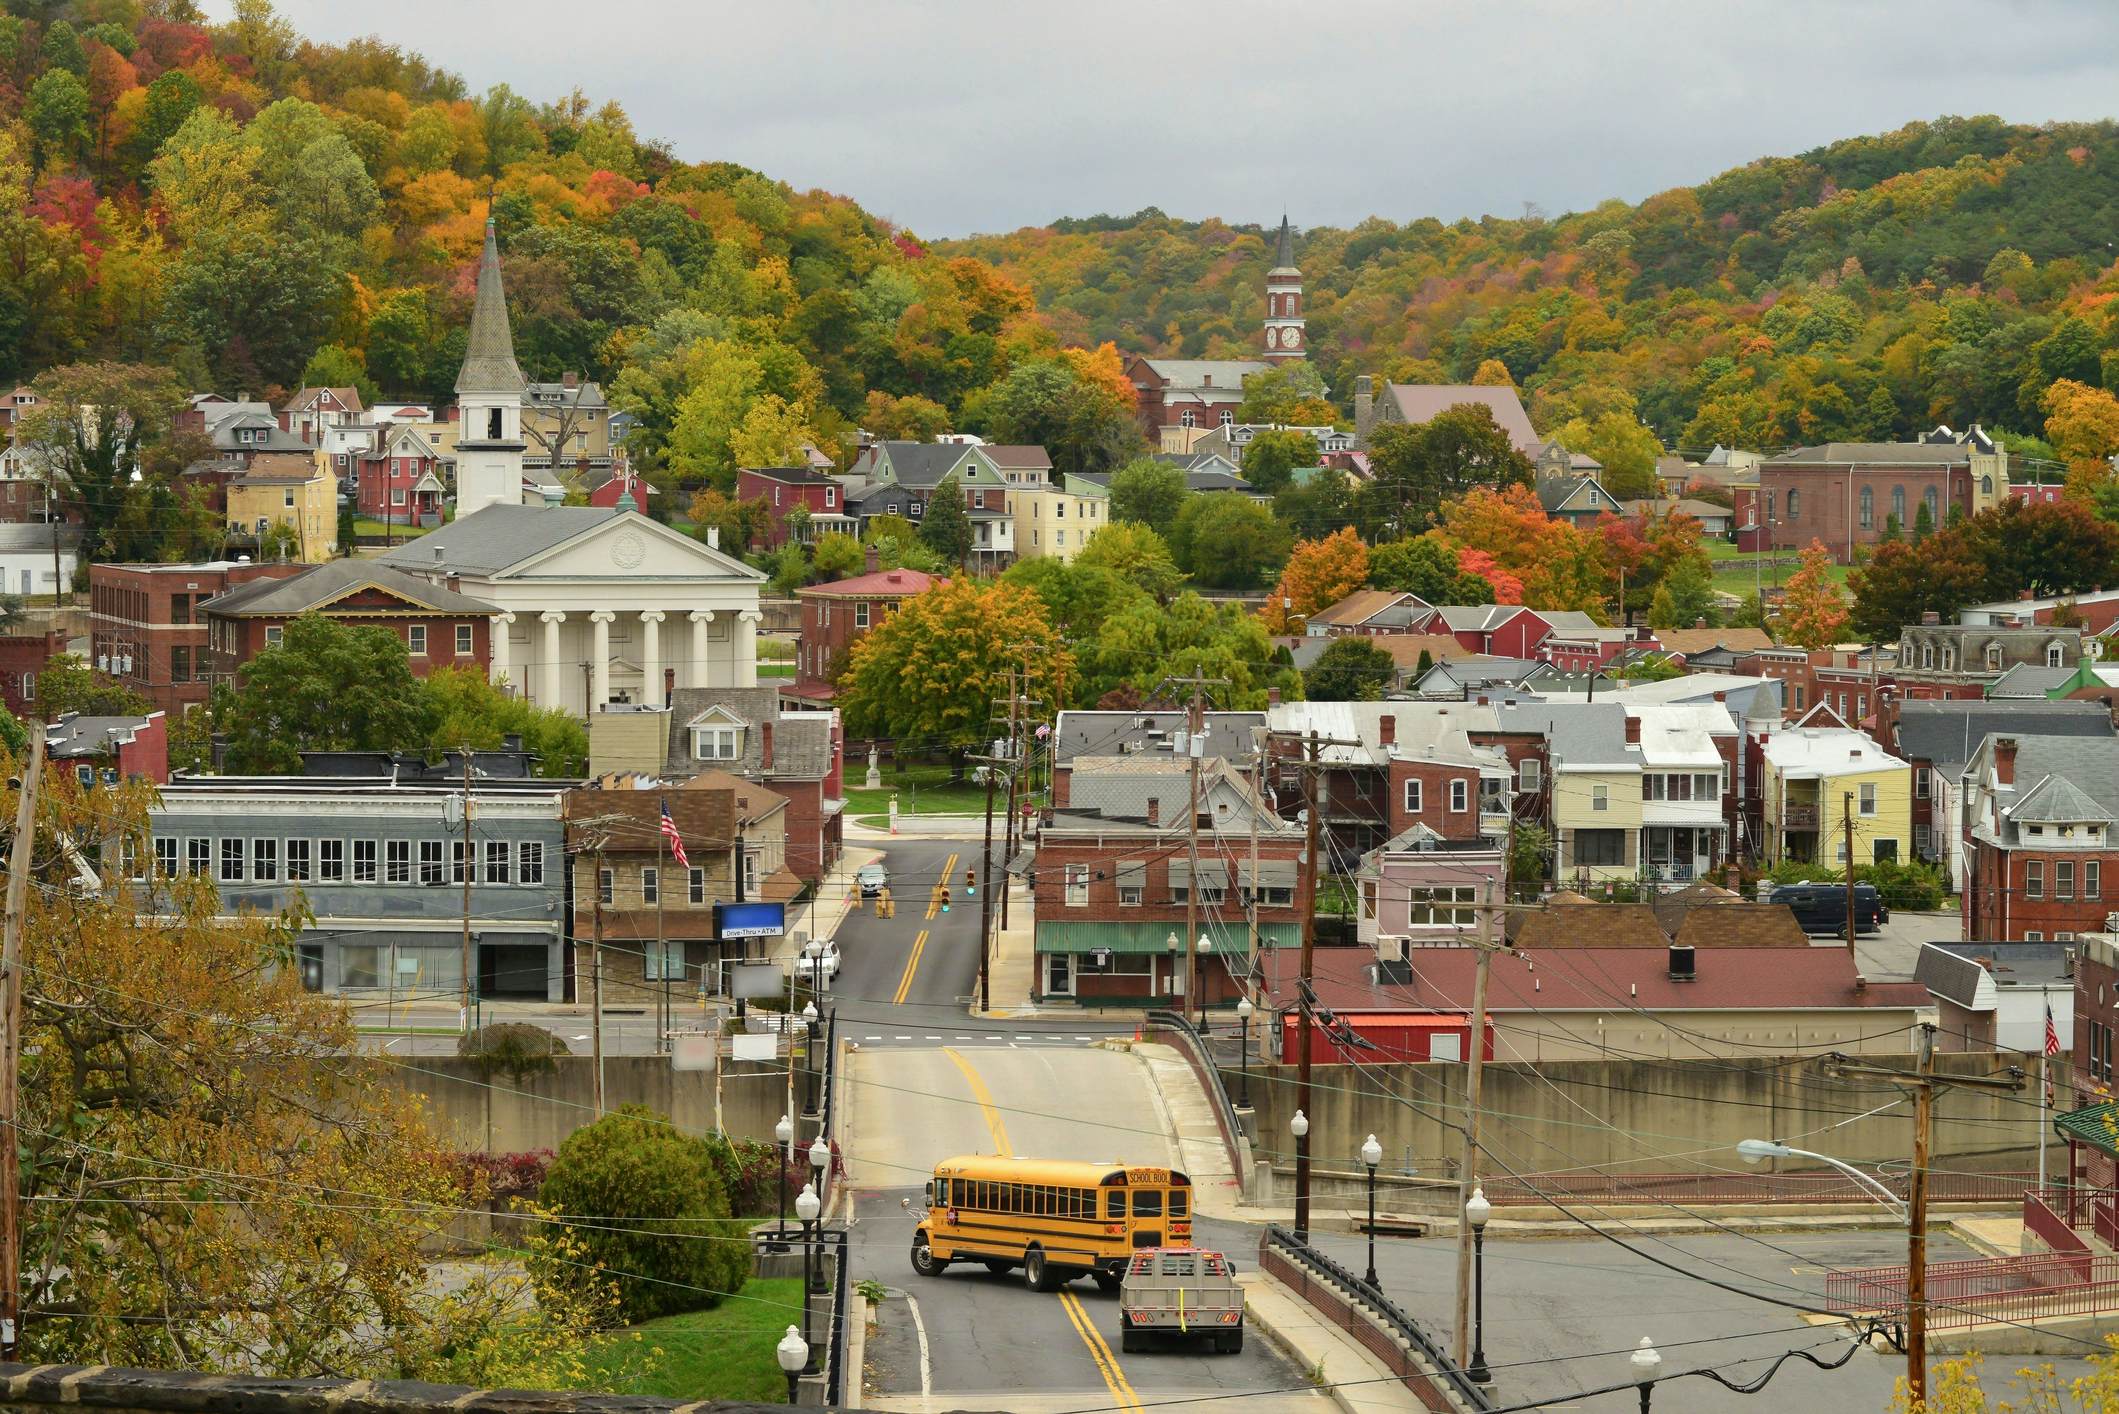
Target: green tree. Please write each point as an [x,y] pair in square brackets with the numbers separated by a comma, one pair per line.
[1427,565]
[93,428]
[1685,596]
[946,528]
[336,366]
[1272,456]
[468,710]
[69,684]
[1228,541]
[646,1204]
[325,686]
[1080,422]
[1289,393]
[1148,492]
[1314,508]
[1350,669]
[1923,523]
[836,556]
[1416,467]
[56,113]
[170,99]
[1136,555]
[1078,597]
[1625,447]
[62,49]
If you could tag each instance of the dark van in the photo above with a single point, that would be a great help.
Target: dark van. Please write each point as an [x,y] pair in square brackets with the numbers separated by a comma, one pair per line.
[1822,908]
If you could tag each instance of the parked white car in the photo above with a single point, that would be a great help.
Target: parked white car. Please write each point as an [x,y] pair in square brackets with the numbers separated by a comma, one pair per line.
[817,963]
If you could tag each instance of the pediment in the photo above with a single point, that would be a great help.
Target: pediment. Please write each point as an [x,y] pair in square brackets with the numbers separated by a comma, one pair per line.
[632,547]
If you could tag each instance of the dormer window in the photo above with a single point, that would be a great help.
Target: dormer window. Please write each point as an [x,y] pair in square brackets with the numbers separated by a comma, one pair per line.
[2053,655]
[1994,657]
[717,743]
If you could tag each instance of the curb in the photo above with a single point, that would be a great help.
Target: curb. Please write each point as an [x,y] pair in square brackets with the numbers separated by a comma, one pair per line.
[1283,1343]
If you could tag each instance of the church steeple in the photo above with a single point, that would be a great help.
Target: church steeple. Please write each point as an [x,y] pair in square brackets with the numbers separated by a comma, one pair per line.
[489,392]
[1284,324]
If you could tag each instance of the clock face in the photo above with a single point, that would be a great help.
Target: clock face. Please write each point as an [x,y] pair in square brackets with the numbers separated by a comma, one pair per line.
[1272,338]
[1291,337]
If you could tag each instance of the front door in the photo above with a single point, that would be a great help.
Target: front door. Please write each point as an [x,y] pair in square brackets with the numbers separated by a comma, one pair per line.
[1059,974]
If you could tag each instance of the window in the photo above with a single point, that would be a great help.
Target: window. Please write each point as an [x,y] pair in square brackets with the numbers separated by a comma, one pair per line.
[606,885]
[1132,883]
[331,861]
[287,498]
[180,663]
[397,495]
[1599,799]
[2034,878]
[698,883]
[1986,485]
[2064,880]
[397,861]
[1412,796]
[1868,797]
[1459,796]
[1600,846]
[2092,881]
[529,862]
[231,860]
[1898,504]
[299,856]
[416,640]
[1868,508]
[265,860]
[650,884]
[1227,417]
[860,616]
[496,862]
[2034,936]
[166,856]
[1920,783]
[1185,419]
[273,634]
[662,962]
[456,861]
[1451,907]
[1059,539]
[198,856]
[1931,501]
[360,965]
[463,640]
[1794,501]
[1213,881]
[716,743]
[2053,655]
[831,497]
[430,863]
[1077,882]
[1530,774]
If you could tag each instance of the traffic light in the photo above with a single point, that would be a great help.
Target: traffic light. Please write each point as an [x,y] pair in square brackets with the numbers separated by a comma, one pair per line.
[971,883]
[945,898]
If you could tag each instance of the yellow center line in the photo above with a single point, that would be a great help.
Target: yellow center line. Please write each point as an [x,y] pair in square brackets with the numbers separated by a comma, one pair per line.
[934,898]
[994,1124]
[1106,1363]
[912,965]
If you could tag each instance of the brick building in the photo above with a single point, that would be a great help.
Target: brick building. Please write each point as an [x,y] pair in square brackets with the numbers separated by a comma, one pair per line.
[1113,879]
[399,482]
[108,750]
[1937,660]
[439,627]
[1187,392]
[147,628]
[783,488]
[799,755]
[1846,493]
[836,615]
[22,658]
[2040,814]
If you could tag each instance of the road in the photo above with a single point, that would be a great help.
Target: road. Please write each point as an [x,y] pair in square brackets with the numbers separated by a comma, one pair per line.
[928,1082]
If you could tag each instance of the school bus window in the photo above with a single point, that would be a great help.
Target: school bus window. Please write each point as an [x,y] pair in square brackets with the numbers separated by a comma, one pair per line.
[1179,1202]
[1147,1203]
[1115,1203]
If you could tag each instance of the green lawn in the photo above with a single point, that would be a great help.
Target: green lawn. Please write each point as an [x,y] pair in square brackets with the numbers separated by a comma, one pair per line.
[776,670]
[922,790]
[1741,575]
[725,1353]
[399,531]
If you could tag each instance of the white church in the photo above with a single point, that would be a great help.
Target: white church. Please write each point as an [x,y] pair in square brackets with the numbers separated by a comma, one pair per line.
[597,605]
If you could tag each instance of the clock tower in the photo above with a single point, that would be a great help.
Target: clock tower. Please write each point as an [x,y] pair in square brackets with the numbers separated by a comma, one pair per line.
[1285,339]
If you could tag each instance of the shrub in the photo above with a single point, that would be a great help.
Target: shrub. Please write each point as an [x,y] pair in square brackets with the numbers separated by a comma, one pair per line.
[515,1049]
[1911,884]
[504,1176]
[653,1214]
[749,1171]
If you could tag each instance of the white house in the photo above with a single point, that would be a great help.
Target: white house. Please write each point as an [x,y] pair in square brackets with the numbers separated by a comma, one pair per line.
[27,565]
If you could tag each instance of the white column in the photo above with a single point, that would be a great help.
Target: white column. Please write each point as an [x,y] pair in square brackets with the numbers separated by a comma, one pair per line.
[700,619]
[600,660]
[551,619]
[651,656]
[745,667]
[498,629]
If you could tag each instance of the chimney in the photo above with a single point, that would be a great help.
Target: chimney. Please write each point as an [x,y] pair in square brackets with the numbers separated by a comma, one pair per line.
[874,561]
[1633,729]
[2005,760]
[1721,697]
[765,745]
[713,537]
[1387,729]
[1155,811]
[1683,963]
[1929,618]
[570,381]
[2024,594]
[1272,697]
[1861,983]
[1364,407]
[1699,623]
[1482,700]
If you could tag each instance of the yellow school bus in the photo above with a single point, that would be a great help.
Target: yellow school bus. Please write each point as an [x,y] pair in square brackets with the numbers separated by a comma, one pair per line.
[1055,1220]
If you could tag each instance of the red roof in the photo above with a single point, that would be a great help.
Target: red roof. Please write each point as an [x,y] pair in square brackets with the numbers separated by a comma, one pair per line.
[878,584]
[1597,979]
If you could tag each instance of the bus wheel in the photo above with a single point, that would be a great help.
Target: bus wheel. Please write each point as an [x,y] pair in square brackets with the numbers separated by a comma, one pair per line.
[923,1259]
[1037,1274]
[1107,1281]
[997,1266]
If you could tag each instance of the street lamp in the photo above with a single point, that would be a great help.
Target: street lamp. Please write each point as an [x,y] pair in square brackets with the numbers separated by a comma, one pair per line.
[806,1208]
[1299,1126]
[1206,950]
[819,1163]
[1244,1010]
[1476,1211]
[1645,1364]
[1754,1150]
[784,1132]
[792,1353]
[809,1023]
[1372,1155]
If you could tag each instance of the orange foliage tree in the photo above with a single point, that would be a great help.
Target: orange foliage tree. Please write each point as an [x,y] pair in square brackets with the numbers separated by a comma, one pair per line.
[1813,611]
[1319,574]
[1559,566]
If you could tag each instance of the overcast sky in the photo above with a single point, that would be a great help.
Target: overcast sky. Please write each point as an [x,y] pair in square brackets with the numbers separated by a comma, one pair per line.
[955,116]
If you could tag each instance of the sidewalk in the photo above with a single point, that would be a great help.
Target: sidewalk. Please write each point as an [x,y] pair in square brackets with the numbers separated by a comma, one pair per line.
[1355,1380]
[829,902]
[1195,1133]
[1013,965]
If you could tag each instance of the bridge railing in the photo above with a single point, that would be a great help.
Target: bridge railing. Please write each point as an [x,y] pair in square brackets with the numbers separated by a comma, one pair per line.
[1181,1035]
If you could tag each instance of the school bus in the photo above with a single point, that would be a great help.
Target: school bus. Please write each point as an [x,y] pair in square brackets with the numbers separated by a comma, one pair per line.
[1056,1220]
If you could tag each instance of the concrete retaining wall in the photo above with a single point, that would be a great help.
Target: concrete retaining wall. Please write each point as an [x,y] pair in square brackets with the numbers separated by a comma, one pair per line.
[473,1112]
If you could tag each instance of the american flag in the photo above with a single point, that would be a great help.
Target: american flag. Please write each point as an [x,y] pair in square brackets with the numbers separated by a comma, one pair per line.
[2052,1033]
[677,853]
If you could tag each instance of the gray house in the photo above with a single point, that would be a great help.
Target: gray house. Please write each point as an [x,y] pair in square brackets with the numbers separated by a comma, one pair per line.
[381,865]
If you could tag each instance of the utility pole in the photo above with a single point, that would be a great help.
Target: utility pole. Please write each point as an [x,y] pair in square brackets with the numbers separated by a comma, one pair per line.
[20,861]
[1923,1082]
[1846,819]
[994,763]
[662,889]
[1194,750]
[1008,826]
[463,1020]
[1468,1171]
[1311,811]
[596,982]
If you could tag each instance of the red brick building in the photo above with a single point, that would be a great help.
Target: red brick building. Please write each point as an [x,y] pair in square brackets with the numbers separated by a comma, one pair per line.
[1188,392]
[22,658]
[1113,878]
[784,488]
[108,750]
[147,630]
[2041,814]
[1846,493]
[836,615]
[798,755]
[440,627]
[400,482]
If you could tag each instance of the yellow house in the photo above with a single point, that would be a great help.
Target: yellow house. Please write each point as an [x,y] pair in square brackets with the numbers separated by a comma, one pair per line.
[1596,816]
[293,489]
[1819,781]
[1054,522]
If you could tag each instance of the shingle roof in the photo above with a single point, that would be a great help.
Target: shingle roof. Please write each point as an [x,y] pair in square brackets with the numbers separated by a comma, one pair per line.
[1284,248]
[1895,453]
[1740,925]
[1018,456]
[1945,734]
[1358,607]
[1592,925]
[489,350]
[801,740]
[497,537]
[792,475]
[919,465]
[312,588]
[874,584]
[1417,402]
[1699,640]
[2053,801]
[1189,374]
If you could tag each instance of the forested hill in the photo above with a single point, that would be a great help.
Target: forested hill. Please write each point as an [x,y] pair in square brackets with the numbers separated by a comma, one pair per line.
[1948,271]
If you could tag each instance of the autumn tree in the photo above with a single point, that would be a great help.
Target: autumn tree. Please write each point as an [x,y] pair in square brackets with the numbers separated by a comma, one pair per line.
[2082,423]
[1291,394]
[1417,467]
[1626,449]
[1493,373]
[929,673]
[1136,555]
[2046,548]
[1559,565]
[1350,669]
[1813,613]
[740,525]
[1319,574]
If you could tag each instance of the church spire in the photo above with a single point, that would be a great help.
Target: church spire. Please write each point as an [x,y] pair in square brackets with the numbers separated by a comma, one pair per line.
[1284,255]
[1284,324]
[489,354]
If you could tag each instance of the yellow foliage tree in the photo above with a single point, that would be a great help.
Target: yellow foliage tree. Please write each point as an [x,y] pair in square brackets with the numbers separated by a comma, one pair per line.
[1319,574]
[1813,611]
[2082,423]
[1493,373]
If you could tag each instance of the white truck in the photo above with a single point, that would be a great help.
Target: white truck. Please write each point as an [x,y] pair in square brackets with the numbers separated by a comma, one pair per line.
[1180,1293]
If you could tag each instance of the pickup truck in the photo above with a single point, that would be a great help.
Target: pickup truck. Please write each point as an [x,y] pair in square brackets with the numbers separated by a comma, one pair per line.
[1184,1293]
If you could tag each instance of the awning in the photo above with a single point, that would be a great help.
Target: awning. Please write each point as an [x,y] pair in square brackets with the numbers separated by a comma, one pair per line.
[2094,1125]
[1060,936]
[1272,873]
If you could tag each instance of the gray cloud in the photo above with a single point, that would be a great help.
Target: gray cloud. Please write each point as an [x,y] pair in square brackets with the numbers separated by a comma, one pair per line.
[953,116]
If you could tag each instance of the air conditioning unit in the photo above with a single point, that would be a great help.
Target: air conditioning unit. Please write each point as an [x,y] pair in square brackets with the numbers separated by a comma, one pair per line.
[1390,947]
[102,662]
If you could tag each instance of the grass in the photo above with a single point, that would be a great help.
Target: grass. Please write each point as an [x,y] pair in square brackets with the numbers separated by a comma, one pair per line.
[921,790]
[398,531]
[725,1353]
[776,670]
[1741,574]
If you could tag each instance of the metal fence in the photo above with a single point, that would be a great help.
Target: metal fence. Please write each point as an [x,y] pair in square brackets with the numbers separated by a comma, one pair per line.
[835,1242]
[1961,1294]
[1532,1189]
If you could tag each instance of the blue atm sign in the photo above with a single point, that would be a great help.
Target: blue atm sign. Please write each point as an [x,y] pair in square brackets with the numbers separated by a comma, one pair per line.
[750,920]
